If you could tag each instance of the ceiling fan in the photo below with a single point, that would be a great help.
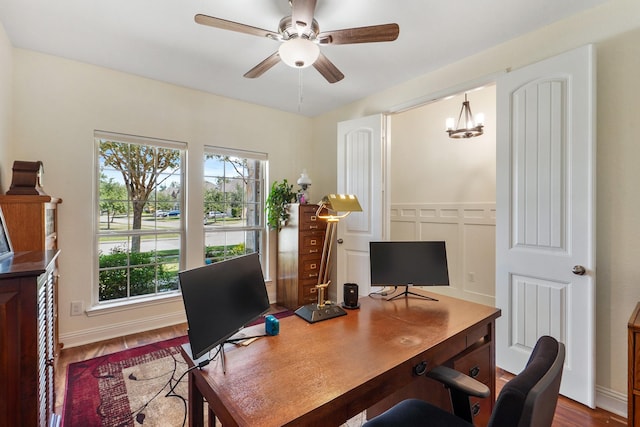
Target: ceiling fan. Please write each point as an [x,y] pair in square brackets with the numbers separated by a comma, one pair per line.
[301,37]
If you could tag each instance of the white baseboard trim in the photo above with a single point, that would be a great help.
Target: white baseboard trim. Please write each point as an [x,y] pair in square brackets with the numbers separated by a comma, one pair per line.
[612,401]
[87,336]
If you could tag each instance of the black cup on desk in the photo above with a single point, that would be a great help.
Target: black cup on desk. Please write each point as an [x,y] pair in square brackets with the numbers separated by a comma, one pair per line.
[350,295]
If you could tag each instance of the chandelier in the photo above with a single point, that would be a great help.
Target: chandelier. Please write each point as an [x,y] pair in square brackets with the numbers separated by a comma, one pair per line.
[466,127]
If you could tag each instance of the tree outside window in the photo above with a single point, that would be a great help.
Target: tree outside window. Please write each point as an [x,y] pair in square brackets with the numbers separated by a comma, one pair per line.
[140,226]
[233,206]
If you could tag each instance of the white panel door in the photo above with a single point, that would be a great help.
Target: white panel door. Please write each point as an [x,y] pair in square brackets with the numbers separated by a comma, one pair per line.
[545,225]
[361,159]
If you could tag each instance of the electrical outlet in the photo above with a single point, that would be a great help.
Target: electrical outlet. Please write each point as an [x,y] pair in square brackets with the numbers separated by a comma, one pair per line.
[77,308]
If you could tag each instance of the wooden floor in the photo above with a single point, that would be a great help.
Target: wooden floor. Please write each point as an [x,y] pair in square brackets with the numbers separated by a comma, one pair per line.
[568,413]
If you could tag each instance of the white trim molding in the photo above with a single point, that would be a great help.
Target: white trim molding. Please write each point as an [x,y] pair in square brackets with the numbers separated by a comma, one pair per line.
[115,330]
[612,401]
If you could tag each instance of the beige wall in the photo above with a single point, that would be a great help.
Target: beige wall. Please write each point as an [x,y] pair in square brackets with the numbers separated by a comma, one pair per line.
[615,29]
[429,166]
[59,103]
[6,73]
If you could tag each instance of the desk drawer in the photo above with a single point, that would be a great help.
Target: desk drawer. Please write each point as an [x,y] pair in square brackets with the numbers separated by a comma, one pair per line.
[309,220]
[476,364]
[309,292]
[309,267]
[311,243]
[481,410]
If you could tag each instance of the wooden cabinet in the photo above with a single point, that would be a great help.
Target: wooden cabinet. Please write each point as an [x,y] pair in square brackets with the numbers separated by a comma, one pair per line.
[27,344]
[299,254]
[32,224]
[32,221]
[633,376]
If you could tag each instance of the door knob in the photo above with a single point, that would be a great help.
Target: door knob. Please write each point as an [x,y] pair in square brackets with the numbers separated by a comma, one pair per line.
[579,270]
[340,241]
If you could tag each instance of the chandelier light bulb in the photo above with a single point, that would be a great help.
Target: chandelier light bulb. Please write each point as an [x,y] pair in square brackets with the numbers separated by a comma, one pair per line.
[450,123]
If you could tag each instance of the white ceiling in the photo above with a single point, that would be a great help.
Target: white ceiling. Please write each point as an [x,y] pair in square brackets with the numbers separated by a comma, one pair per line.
[160,40]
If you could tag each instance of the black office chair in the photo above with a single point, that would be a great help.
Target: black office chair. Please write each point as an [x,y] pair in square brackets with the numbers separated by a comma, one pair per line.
[528,400]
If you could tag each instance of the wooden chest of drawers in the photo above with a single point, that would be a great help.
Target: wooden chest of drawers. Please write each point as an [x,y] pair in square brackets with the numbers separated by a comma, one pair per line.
[633,398]
[299,254]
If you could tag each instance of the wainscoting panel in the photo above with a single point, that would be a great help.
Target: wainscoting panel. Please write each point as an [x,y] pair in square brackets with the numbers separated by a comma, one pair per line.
[469,232]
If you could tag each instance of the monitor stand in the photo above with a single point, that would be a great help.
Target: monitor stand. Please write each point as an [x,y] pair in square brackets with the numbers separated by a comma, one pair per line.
[407,292]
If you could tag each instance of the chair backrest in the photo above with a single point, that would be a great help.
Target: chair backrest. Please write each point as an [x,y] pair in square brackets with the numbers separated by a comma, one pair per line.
[530,398]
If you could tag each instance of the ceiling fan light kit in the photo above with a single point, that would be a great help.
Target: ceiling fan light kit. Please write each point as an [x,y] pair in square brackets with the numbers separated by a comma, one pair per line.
[299,53]
[300,37]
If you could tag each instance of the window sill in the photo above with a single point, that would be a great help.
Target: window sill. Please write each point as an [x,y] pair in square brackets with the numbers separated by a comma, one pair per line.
[115,307]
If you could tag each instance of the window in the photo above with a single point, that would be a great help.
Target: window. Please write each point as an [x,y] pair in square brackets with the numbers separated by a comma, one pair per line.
[140,227]
[233,203]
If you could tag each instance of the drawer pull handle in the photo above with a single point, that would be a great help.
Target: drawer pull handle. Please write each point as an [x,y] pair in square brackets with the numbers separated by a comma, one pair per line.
[313,251]
[475,409]
[313,266]
[473,372]
[313,242]
[313,227]
[313,290]
[313,275]
[314,218]
[420,368]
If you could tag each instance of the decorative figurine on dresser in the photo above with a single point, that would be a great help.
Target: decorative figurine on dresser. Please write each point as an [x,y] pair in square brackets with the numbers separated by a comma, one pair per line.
[28,300]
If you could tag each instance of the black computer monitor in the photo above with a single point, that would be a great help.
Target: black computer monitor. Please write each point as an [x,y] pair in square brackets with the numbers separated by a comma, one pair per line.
[408,263]
[222,298]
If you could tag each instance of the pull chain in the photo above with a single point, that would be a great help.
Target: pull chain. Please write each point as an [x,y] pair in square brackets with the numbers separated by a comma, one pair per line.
[299,89]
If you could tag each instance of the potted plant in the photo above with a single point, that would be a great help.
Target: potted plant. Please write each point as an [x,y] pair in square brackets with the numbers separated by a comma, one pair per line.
[280,196]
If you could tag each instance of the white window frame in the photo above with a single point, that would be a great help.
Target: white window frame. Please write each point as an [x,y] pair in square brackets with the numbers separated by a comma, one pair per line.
[147,299]
[223,226]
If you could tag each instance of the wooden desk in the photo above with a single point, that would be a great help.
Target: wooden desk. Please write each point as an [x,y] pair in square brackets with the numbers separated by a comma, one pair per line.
[324,373]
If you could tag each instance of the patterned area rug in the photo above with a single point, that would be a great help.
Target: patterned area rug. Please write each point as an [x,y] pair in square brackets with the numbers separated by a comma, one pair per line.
[128,388]
[139,386]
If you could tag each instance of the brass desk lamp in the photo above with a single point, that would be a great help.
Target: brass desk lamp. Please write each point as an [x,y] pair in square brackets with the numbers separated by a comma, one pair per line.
[334,204]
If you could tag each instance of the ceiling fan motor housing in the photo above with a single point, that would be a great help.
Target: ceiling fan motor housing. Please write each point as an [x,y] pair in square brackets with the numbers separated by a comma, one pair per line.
[290,30]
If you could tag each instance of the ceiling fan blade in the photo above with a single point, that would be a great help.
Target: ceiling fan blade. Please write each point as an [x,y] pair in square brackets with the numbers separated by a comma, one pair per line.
[265,65]
[302,13]
[234,26]
[327,69]
[374,33]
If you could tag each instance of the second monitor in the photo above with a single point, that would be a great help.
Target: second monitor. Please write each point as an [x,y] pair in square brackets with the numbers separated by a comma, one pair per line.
[408,263]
